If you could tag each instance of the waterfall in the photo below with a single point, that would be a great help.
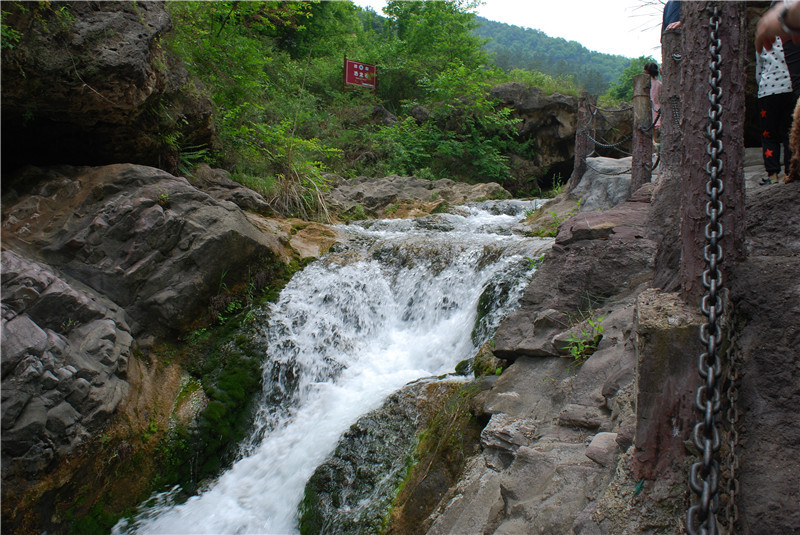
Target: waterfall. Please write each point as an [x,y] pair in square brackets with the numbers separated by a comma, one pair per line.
[396,302]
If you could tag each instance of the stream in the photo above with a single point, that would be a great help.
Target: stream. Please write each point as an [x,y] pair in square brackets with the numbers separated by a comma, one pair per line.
[398,301]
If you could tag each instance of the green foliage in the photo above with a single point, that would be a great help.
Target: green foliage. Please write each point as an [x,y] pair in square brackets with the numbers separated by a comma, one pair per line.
[240,51]
[622,89]
[550,230]
[424,38]
[273,71]
[472,147]
[534,263]
[564,84]
[9,37]
[581,346]
[98,522]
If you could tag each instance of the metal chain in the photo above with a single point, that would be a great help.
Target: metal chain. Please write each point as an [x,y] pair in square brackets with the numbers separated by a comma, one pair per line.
[675,104]
[732,418]
[704,474]
[607,145]
[621,110]
[653,124]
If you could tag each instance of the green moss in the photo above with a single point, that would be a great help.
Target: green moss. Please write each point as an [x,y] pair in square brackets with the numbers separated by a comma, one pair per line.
[99,521]
[441,209]
[311,518]
[450,436]
[356,213]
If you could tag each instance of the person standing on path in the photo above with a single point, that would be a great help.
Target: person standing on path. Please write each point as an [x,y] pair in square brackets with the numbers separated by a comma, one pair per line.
[776,102]
[655,93]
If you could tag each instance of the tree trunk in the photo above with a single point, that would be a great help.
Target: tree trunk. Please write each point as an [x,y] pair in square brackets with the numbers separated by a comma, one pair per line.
[642,144]
[695,71]
[671,59]
[583,144]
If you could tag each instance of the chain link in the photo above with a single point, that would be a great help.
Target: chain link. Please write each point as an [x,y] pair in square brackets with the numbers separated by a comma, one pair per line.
[606,110]
[675,104]
[608,145]
[732,418]
[705,474]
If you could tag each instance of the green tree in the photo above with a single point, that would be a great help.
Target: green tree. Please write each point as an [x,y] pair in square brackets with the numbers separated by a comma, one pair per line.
[622,89]
[427,38]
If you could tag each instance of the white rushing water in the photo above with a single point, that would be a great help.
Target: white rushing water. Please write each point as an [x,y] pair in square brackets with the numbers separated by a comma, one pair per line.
[396,303]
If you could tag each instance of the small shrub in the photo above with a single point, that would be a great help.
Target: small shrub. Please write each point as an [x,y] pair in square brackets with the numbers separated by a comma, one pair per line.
[581,346]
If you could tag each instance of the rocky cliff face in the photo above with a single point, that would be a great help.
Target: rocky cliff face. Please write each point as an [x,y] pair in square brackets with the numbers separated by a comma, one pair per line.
[89,84]
[549,123]
[65,357]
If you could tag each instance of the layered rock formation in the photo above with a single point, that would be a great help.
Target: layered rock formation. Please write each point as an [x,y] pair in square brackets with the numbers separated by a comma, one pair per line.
[151,242]
[65,353]
[410,196]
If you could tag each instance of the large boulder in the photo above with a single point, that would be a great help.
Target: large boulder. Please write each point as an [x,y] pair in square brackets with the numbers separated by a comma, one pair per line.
[150,242]
[89,83]
[65,353]
[384,196]
[605,184]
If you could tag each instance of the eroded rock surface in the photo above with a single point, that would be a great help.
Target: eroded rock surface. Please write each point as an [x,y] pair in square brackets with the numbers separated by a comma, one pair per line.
[766,289]
[384,196]
[596,255]
[65,353]
[548,121]
[151,242]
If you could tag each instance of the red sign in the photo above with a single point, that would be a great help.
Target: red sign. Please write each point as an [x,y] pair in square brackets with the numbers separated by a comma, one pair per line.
[360,74]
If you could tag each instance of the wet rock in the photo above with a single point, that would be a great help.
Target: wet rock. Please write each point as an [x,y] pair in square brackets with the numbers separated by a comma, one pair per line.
[351,491]
[376,195]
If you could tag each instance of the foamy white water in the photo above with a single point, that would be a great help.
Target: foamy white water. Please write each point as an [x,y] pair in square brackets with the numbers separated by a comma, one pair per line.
[398,303]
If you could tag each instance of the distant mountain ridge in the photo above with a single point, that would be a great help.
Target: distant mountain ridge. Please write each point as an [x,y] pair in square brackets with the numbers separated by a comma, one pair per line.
[514,47]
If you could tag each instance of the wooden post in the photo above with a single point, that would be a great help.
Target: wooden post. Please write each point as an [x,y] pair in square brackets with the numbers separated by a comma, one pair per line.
[671,58]
[583,144]
[642,141]
[694,119]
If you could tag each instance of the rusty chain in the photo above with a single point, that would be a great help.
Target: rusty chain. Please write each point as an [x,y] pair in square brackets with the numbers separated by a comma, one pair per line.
[732,419]
[705,474]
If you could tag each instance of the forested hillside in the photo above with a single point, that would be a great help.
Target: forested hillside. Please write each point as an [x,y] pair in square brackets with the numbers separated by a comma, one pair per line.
[513,47]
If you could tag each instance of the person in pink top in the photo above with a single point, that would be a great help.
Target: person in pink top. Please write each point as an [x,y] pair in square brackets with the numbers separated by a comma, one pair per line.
[655,96]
